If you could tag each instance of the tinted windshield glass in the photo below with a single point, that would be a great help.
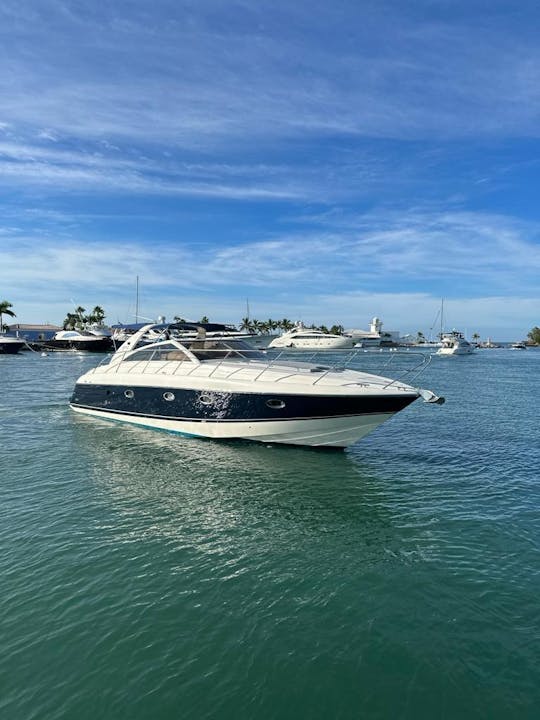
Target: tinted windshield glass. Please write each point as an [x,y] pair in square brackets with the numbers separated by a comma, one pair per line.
[218,349]
[166,351]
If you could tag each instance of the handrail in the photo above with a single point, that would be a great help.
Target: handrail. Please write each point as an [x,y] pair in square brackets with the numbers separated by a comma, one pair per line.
[297,360]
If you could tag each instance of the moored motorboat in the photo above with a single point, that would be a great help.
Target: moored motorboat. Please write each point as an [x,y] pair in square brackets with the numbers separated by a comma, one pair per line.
[454,343]
[518,346]
[303,338]
[220,388]
[77,340]
[10,344]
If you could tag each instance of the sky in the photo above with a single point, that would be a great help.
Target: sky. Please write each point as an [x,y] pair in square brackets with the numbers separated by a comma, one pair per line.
[321,161]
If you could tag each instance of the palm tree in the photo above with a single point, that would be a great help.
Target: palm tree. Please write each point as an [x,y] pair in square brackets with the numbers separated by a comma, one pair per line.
[97,315]
[204,319]
[5,310]
[70,322]
[81,319]
[246,324]
[286,324]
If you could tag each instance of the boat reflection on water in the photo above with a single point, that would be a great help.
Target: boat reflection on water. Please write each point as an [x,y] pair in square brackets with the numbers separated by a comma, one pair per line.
[236,496]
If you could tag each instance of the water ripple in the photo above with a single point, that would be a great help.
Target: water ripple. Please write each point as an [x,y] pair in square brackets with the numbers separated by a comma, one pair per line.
[149,575]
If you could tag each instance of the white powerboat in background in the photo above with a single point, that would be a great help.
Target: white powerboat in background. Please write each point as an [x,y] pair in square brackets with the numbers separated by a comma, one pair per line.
[454,343]
[78,340]
[518,346]
[221,388]
[303,338]
[10,344]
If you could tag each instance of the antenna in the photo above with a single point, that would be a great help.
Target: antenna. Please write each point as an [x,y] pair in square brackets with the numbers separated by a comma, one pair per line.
[433,324]
[79,314]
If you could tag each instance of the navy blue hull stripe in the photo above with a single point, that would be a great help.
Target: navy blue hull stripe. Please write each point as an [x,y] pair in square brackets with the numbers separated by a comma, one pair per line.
[210,406]
[219,420]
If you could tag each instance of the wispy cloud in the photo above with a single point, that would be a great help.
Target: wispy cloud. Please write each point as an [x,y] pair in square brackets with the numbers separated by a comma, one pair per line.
[483,256]
[189,75]
[439,249]
[73,171]
[302,153]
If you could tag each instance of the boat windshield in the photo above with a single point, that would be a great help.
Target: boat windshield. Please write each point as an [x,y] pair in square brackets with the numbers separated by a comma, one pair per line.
[164,351]
[216,348]
[202,349]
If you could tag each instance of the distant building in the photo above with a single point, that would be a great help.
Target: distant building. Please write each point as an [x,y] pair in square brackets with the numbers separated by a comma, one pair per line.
[34,332]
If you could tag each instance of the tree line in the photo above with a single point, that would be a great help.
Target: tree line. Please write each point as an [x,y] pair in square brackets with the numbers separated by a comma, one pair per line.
[269,326]
[80,318]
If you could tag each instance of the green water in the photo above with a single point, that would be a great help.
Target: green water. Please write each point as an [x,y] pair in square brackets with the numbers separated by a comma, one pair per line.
[151,576]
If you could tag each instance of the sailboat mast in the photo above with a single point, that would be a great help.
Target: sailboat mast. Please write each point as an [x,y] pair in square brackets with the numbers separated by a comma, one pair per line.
[137,301]
[442,316]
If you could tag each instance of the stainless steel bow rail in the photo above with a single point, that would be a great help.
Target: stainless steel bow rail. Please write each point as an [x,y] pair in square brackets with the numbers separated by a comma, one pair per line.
[173,350]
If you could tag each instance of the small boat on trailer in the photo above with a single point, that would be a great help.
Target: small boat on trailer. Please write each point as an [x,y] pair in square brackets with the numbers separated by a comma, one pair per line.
[221,388]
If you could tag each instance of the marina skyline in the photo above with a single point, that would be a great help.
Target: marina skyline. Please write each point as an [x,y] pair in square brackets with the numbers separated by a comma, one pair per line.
[330,163]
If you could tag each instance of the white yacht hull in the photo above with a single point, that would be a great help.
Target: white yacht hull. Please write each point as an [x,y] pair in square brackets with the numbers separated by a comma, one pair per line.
[316,344]
[338,432]
[454,343]
[455,351]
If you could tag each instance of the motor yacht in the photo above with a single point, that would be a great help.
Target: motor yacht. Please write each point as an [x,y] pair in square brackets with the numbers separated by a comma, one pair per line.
[221,388]
[518,346]
[454,343]
[10,344]
[78,340]
[303,338]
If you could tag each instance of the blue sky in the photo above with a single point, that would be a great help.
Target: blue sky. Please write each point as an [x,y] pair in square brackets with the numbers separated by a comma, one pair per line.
[330,161]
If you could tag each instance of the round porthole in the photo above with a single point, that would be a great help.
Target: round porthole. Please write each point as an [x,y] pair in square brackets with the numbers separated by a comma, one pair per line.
[275,404]
[129,394]
[169,396]
[205,399]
